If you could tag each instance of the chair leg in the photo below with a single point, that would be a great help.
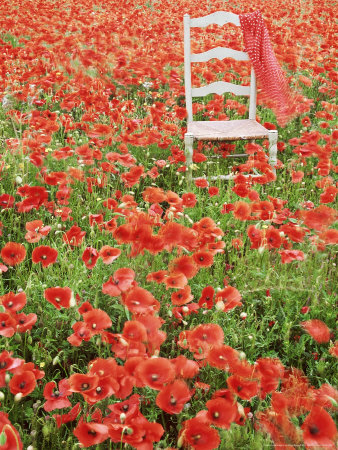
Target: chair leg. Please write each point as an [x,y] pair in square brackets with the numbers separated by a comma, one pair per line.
[189,144]
[273,138]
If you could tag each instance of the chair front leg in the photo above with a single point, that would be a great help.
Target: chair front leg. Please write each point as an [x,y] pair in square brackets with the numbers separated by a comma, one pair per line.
[273,138]
[188,151]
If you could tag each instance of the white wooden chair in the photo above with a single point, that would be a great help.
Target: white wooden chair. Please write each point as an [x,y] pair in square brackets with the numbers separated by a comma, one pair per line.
[232,130]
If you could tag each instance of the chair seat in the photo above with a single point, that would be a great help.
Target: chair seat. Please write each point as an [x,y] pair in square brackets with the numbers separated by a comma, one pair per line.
[227,130]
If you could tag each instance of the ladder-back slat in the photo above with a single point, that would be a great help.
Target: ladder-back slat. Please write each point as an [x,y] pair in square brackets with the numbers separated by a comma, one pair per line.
[219,53]
[220,87]
[219,18]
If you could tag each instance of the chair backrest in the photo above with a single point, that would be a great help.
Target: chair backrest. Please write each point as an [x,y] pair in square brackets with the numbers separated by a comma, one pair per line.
[219,87]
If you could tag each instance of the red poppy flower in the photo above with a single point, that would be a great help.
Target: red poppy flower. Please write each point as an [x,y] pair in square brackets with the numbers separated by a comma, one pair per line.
[242,210]
[203,259]
[223,357]
[13,253]
[7,325]
[184,264]
[59,296]
[109,254]
[135,331]
[334,350]
[182,296]
[319,429]
[245,389]
[202,338]
[201,183]
[221,412]
[140,301]
[158,277]
[230,297]
[319,218]
[326,395]
[177,281]
[6,201]
[7,363]
[184,367]
[81,333]
[189,200]
[207,297]
[155,372]
[9,434]
[74,236]
[255,236]
[91,433]
[197,434]
[105,388]
[317,329]
[56,399]
[288,256]
[90,257]
[44,255]
[173,397]
[121,281]
[130,408]
[23,382]
[68,417]
[79,382]
[13,302]
[273,238]
[25,322]
[97,320]
[85,307]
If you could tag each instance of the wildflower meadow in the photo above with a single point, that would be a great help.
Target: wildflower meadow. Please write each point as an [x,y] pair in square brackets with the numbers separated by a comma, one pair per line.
[139,310]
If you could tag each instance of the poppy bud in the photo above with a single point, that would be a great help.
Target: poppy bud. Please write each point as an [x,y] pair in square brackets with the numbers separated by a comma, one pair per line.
[122,417]
[17,338]
[45,430]
[7,377]
[2,396]
[18,397]
[18,180]
[29,339]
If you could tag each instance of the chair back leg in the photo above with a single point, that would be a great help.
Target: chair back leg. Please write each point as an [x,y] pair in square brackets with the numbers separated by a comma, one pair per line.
[273,138]
[189,149]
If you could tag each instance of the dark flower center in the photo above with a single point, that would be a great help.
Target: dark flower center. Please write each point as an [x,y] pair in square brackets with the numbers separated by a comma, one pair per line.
[125,407]
[215,415]
[22,384]
[172,400]
[43,257]
[3,364]
[92,432]
[84,386]
[239,388]
[313,429]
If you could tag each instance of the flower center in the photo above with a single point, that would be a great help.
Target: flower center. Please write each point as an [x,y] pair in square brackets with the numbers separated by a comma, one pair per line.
[84,386]
[313,429]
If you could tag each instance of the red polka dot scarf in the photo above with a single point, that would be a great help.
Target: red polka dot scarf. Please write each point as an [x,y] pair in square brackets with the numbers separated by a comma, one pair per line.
[275,91]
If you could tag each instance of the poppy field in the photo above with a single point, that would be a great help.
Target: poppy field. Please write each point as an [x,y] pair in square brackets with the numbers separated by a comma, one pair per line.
[137,310]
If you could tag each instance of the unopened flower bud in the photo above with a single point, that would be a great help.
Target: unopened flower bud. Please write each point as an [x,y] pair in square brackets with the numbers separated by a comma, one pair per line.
[18,396]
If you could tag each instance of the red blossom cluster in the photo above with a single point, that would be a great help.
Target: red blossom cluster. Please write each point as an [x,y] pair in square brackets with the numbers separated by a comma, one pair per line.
[11,320]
